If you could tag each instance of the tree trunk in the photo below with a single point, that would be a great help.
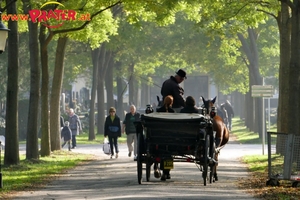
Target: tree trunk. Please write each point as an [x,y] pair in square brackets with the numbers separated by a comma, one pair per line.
[120,90]
[104,59]
[131,85]
[11,153]
[284,24]
[32,146]
[95,58]
[251,52]
[109,86]
[294,72]
[56,93]
[45,132]
[101,107]
[249,118]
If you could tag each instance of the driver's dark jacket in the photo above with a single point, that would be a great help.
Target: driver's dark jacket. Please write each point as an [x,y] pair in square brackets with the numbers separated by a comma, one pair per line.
[171,87]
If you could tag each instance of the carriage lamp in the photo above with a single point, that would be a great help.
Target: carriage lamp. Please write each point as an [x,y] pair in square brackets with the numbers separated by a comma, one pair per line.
[3,35]
[213,112]
[149,109]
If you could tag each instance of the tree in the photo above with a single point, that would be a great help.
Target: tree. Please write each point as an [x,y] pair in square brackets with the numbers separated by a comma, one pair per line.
[11,154]
[32,147]
[56,93]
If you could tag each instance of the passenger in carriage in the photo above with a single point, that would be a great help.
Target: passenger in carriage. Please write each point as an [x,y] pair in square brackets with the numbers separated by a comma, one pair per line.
[190,106]
[171,87]
[167,107]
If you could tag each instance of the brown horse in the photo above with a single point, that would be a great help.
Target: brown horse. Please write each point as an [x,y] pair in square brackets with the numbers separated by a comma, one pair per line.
[222,133]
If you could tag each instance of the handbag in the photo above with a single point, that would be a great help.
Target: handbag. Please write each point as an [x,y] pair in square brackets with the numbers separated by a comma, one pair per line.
[106,147]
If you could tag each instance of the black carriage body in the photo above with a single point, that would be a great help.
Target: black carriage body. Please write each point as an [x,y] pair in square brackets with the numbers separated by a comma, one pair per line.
[169,134]
[173,135]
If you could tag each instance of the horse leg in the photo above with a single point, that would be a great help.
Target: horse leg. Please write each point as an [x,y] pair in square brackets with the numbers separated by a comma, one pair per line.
[218,141]
[215,167]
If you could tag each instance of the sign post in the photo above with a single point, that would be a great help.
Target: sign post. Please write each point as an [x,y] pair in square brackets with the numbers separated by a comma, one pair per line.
[262,91]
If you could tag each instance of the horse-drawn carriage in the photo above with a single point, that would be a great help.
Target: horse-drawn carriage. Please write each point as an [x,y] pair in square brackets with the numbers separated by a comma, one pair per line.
[165,138]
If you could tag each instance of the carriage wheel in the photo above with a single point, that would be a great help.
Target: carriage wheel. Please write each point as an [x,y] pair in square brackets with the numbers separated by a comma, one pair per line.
[139,158]
[205,159]
[212,148]
[148,170]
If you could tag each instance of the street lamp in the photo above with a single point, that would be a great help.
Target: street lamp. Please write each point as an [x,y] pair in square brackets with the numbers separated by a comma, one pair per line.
[3,35]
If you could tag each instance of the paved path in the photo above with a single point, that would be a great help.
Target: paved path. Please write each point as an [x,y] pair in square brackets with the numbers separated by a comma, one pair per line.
[107,178]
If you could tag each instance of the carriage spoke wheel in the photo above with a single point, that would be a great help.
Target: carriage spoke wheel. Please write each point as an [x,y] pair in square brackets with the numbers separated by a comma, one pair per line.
[139,159]
[205,159]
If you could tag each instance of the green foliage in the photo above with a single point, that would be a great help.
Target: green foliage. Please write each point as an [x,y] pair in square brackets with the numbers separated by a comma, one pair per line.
[161,11]
[164,39]
[212,48]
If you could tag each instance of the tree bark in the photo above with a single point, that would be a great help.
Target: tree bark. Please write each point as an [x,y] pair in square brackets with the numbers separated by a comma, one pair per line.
[56,93]
[95,58]
[32,146]
[109,86]
[104,60]
[294,72]
[131,85]
[45,131]
[120,90]
[284,25]
[11,154]
[255,78]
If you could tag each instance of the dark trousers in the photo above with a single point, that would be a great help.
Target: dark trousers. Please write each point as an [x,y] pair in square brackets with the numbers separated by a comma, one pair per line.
[69,144]
[229,123]
[73,140]
[113,141]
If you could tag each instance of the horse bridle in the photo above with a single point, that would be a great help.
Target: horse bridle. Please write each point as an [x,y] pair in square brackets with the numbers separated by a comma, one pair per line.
[211,112]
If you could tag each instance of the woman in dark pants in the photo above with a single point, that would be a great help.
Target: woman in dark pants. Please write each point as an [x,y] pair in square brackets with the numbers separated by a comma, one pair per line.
[112,129]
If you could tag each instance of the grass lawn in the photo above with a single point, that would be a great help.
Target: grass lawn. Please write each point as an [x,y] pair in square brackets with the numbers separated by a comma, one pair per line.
[245,136]
[33,174]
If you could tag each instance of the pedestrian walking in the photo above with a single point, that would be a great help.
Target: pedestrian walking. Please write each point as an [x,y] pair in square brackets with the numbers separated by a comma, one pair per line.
[230,113]
[112,130]
[75,126]
[128,127]
[66,135]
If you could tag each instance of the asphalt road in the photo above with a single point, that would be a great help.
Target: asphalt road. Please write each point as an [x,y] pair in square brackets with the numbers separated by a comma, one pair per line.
[107,178]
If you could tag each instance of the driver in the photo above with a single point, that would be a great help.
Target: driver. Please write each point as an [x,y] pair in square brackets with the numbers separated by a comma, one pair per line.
[171,87]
